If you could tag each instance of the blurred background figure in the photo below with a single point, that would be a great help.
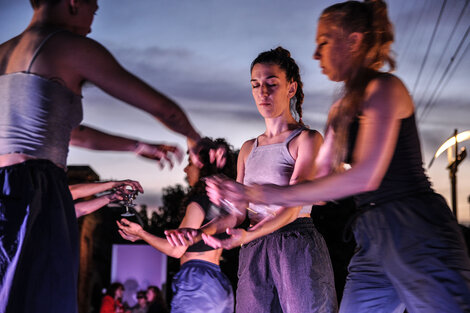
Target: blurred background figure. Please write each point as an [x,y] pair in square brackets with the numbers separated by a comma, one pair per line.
[156,302]
[141,306]
[112,300]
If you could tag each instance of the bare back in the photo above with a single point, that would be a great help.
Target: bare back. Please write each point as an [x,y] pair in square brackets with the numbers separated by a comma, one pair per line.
[52,60]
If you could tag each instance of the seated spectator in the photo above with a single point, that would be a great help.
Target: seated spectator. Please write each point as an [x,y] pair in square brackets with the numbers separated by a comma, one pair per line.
[111,302]
[156,302]
[141,306]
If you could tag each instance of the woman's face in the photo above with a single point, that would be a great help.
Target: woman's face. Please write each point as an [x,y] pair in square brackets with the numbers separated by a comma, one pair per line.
[332,51]
[150,295]
[192,173]
[118,293]
[271,90]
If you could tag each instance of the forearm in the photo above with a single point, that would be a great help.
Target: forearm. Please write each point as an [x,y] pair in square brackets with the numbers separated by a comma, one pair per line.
[284,216]
[327,188]
[141,95]
[90,138]
[220,224]
[87,207]
[175,119]
[162,245]
[88,189]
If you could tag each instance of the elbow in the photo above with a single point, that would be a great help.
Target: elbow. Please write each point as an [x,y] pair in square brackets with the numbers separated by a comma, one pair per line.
[370,185]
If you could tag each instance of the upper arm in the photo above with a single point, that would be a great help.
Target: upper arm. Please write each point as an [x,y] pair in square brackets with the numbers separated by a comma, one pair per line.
[242,156]
[386,103]
[308,144]
[94,63]
[193,217]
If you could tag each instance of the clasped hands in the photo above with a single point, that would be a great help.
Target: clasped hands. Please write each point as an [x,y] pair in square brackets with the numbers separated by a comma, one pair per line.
[189,236]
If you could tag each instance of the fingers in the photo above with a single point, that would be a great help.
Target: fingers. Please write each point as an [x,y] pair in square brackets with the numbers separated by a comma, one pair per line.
[218,156]
[176,239]
[161,153]
[126,236]
[169,238]
[211,241]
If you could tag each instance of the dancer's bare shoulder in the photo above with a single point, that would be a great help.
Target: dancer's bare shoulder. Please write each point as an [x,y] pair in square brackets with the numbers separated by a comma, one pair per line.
[388,96]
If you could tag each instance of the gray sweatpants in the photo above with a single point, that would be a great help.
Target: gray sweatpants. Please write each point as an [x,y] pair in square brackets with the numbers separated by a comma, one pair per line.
[286,271]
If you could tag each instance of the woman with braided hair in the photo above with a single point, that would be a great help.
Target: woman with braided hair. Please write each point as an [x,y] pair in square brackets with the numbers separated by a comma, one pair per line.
[284,263]
[410,252]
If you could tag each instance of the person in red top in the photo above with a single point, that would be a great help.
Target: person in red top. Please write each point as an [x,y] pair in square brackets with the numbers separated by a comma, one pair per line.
[111,302]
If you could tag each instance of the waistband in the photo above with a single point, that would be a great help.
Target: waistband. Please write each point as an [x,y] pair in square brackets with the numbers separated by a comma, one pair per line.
[36,163]
[200,263]
[361,209]
[302,223]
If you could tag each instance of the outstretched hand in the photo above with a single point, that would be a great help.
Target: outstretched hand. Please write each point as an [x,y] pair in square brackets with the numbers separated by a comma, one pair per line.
[163,154]
[217,153]
[182,236]
[236,239]
[129,230]
[221,189]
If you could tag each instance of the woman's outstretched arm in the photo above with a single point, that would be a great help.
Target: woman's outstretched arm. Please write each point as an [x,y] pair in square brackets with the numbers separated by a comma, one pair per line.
[193,218]
[95,64]
[91,138]
[386,102]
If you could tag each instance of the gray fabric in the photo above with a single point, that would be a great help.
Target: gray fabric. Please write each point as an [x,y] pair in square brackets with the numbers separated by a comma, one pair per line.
[410,252]
[286,271]
[37,115]
[270,164]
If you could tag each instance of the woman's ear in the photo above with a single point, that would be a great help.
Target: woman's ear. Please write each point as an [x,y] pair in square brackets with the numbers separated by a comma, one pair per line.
[73,6]
[355,41]
[292,89]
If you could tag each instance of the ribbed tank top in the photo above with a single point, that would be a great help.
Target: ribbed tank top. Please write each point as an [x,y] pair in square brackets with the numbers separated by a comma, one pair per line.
[405,175]
[270,164]
[37,114]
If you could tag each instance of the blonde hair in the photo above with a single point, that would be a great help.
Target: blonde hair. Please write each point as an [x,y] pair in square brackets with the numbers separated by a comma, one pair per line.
[369,18]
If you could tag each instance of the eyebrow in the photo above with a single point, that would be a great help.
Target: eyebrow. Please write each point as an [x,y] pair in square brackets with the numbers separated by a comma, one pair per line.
[272,76]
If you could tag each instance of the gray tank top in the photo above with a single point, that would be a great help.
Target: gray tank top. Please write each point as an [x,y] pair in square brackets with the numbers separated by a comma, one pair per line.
[37,114]
[270,164]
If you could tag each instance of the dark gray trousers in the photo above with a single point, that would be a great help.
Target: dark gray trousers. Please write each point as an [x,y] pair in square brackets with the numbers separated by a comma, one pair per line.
[286,271]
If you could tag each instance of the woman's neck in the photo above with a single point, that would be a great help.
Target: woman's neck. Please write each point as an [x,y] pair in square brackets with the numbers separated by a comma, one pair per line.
[48,16]
[279,125]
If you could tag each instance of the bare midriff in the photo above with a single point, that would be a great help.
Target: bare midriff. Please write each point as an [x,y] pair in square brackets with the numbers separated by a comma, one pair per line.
[16,158]
[212,256]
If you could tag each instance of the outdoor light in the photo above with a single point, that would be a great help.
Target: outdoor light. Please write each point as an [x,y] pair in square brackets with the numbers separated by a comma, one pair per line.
[454,160]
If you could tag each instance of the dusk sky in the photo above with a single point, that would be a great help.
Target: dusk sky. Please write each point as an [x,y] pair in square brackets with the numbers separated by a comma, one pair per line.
[198,52]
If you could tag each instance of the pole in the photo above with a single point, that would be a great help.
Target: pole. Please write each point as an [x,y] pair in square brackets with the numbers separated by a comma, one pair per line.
[453,176]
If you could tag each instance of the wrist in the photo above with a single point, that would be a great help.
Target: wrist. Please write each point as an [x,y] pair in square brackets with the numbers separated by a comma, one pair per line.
[136,146]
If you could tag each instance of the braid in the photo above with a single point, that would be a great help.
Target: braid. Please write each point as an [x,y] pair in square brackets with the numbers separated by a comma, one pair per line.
[283,59]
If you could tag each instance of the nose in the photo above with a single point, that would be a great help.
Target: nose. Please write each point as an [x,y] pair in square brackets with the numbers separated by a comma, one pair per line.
[316,54]
[186,169]
[263,90]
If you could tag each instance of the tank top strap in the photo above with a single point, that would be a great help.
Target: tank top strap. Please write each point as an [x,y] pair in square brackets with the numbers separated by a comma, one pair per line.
[255,144]
[293,134]
[38,49]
